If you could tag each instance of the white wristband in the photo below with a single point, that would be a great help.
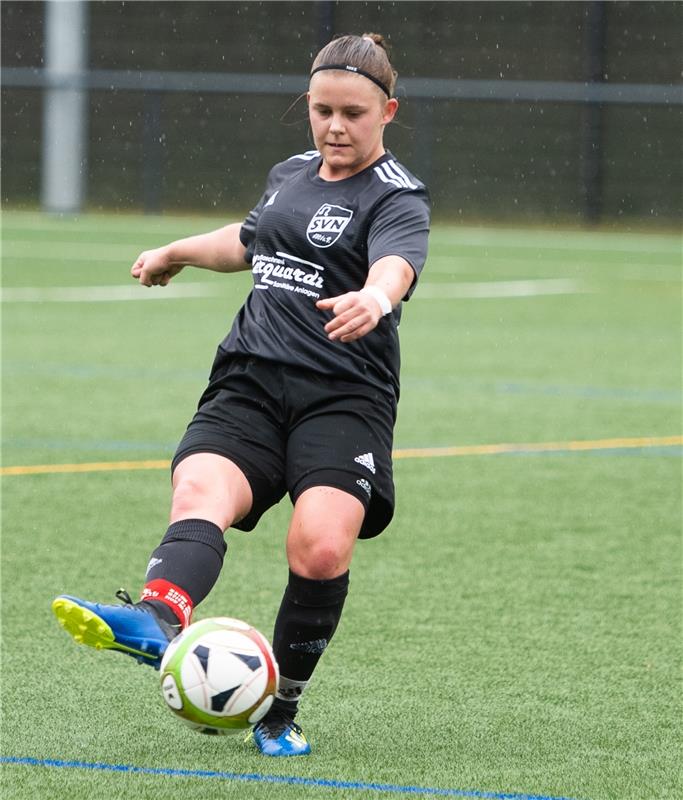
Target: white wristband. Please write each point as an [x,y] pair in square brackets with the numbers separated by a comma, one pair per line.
[381,297]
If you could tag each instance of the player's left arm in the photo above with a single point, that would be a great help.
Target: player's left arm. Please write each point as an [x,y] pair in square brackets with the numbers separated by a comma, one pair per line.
[358,313]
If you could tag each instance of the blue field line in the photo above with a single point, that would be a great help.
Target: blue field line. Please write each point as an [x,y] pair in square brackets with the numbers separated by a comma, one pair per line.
[629,394]
[638,395]
[650,395]
[316,783]
[142,446]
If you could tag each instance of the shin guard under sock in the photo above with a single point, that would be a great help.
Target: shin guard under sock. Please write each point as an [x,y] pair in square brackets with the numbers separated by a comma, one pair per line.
[308,617]
[184,568]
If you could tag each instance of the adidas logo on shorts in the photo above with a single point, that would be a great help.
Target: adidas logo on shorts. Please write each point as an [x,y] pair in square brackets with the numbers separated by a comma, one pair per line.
[367,461]
[365,486]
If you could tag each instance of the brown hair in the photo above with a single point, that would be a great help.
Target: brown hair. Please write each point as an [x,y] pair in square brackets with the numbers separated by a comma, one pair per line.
[367,53]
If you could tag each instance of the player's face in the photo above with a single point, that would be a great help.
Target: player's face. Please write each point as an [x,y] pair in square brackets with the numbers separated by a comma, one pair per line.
[348,114]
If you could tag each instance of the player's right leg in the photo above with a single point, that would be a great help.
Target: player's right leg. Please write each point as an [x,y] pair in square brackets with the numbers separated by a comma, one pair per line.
[209,494]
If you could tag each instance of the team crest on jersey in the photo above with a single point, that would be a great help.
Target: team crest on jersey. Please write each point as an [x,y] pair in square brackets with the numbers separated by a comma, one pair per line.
[327,225]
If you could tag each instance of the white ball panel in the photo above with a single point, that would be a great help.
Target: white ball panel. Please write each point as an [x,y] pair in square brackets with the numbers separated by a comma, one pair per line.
[262,710]
[171,693]
[225,670]
[249,693]
[192,674]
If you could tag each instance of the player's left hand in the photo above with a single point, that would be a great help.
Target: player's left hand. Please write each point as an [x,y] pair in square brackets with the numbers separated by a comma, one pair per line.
[355,315]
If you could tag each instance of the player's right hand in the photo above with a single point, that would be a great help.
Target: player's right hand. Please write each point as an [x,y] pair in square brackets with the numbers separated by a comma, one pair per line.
[154,268]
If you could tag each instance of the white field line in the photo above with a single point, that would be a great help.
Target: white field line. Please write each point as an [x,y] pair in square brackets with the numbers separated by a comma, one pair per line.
[67,251]
[95,294]
[562,240]
[493,289]
[426,291]
[613,270]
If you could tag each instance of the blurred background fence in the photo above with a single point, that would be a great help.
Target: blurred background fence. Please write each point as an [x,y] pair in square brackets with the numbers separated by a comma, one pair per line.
[510,111]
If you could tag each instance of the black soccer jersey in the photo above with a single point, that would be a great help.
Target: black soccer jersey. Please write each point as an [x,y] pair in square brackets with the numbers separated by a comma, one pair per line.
[309,239]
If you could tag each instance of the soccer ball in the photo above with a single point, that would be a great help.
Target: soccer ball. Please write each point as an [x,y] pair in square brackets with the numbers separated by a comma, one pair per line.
[219,675]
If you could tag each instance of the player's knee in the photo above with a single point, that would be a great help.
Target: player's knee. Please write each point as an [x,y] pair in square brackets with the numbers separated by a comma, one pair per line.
[320,560]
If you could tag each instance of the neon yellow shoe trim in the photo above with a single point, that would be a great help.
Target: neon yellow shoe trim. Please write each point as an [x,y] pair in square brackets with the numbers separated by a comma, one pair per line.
[87,628]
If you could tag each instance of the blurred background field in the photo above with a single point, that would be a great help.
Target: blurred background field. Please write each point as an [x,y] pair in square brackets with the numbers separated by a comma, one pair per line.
[515,111]
[516,632]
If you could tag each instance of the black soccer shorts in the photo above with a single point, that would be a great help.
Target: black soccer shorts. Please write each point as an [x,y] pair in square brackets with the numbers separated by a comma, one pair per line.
[289,429]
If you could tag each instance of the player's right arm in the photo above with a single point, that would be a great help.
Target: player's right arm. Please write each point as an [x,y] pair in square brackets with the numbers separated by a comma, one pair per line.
[220,250]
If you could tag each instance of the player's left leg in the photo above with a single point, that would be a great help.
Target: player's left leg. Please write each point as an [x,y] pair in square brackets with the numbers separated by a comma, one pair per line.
[320,542]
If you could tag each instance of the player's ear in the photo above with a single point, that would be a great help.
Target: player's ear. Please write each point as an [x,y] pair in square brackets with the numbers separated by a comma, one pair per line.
[390,110]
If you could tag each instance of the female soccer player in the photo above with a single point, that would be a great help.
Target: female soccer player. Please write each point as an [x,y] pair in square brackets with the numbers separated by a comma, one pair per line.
[303,391]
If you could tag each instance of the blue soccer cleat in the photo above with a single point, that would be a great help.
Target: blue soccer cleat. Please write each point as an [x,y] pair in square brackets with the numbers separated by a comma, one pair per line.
[278,735]
[134,629]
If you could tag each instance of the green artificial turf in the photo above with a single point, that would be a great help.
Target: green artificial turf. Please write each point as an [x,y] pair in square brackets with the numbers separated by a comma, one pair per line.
[517,629]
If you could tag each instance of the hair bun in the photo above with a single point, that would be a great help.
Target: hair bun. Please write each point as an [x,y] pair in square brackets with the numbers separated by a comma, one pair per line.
[378,39]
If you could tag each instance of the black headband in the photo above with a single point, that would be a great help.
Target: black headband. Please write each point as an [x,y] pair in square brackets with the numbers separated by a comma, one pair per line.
[358,70]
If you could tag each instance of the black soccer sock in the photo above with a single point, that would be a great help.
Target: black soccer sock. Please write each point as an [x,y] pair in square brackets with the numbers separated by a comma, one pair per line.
[184,568]
[307,619]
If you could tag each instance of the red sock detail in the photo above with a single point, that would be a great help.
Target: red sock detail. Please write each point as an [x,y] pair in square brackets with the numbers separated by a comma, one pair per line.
[171,595]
